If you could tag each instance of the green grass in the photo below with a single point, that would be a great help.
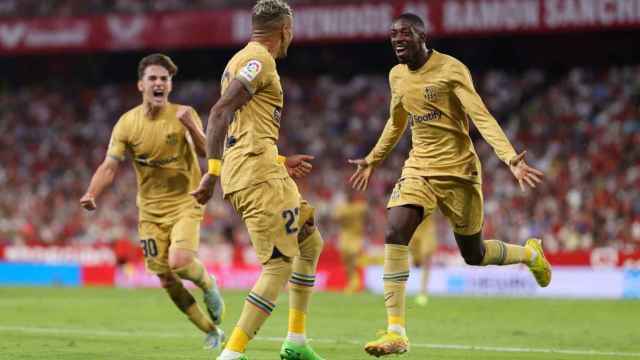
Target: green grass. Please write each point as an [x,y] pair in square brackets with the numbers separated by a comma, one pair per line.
[88,324]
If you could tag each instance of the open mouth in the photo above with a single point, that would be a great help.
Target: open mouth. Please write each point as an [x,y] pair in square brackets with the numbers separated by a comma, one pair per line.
[158,94]
[401,50]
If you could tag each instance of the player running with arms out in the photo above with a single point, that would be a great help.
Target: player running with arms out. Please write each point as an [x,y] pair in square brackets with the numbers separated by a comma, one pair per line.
[435,94]
[242,135]
[163,140]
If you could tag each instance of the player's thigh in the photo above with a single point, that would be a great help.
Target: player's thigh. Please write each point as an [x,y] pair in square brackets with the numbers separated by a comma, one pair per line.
[306,221]
[185,233]
[411,200]
[461,203]
[271,212]
[154,240]
[185,240]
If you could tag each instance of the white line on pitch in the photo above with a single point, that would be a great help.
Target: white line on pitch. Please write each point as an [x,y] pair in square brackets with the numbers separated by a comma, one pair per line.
[99,332]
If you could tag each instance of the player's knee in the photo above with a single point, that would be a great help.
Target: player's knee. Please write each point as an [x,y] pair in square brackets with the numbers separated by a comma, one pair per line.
[167,280]
[279,268]
[471,248]
[180,259]
[396,235]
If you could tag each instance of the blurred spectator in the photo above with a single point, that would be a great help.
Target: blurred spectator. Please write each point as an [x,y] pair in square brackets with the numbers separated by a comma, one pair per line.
[56,8]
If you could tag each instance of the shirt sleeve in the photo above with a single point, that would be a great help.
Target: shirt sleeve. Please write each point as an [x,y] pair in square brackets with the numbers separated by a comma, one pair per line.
[473,106]
[118,144]
[254,73]
[196,117]
[393,130]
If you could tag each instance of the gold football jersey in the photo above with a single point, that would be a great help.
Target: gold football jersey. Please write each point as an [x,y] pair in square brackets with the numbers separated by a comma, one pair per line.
[437,101]
[164,160]
[250,154]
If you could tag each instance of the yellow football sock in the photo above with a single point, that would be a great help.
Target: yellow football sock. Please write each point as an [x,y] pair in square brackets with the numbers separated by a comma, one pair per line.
[187,304]
[196,273]
[396,274]
[297,321]
[500,253]
[238,340]
[302,280]
[261,301]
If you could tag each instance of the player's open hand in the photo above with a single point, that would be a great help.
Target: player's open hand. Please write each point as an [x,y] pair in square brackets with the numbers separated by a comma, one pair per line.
[298,165]
[524,173]
[204,192]
[184,115]
[360,179]
[88,202]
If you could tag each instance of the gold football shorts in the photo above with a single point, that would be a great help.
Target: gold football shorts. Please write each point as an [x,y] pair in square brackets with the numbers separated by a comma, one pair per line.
[157,238]
[274,213]
[460,201]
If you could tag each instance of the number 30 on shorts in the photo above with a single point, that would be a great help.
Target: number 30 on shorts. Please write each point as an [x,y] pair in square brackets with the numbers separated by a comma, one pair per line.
[291,218]
[149,247]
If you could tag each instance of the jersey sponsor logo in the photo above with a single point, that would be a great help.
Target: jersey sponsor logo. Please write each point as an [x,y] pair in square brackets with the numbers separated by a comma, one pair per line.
[142,160]
[172,139]
[251,70]
[430,116]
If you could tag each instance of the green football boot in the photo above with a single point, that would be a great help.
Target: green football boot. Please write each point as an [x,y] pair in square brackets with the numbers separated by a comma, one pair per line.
[293,351]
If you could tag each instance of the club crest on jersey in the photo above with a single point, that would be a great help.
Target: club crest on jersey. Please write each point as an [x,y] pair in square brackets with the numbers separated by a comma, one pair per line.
[172,139]
[431,93]
[251,70]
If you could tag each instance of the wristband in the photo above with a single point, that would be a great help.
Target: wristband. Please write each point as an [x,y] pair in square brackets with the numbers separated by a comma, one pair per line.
[282,159]
[214,167]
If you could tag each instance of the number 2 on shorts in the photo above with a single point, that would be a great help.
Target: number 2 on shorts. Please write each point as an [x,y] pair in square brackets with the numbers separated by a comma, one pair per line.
[291,218]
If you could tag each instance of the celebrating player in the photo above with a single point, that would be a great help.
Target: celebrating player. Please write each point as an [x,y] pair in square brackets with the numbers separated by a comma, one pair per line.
[245,121]
[434,93]
[163,140]
[351,216]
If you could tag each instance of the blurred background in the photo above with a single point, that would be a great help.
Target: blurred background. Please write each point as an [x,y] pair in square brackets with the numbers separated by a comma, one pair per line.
[562,78]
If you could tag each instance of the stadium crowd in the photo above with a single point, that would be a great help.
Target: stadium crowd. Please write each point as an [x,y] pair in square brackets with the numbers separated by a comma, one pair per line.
[55,8]
[581,129]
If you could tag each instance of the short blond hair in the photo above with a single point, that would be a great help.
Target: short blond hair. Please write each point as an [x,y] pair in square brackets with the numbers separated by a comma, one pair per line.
[270,13]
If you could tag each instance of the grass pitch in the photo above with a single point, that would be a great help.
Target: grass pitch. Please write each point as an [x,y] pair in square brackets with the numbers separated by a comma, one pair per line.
[96,324]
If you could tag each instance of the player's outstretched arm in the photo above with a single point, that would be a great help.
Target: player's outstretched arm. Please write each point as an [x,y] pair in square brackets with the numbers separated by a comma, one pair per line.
[102,178]
[189,118]
[524,173]
[220,117]
[360,179]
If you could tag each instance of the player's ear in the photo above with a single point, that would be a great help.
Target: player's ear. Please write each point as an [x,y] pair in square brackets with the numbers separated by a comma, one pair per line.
[140,86]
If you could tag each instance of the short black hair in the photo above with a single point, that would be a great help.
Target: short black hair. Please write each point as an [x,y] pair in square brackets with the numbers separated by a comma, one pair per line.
[413,19]
[157,59]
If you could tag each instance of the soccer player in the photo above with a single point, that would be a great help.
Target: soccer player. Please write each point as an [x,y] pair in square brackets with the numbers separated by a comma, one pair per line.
[351,216]
[163,140]
[422,246]
[242,136]
[434,93]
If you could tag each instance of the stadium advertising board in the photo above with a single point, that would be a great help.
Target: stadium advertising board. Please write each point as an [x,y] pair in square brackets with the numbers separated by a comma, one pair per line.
[568,282]
[317,23]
